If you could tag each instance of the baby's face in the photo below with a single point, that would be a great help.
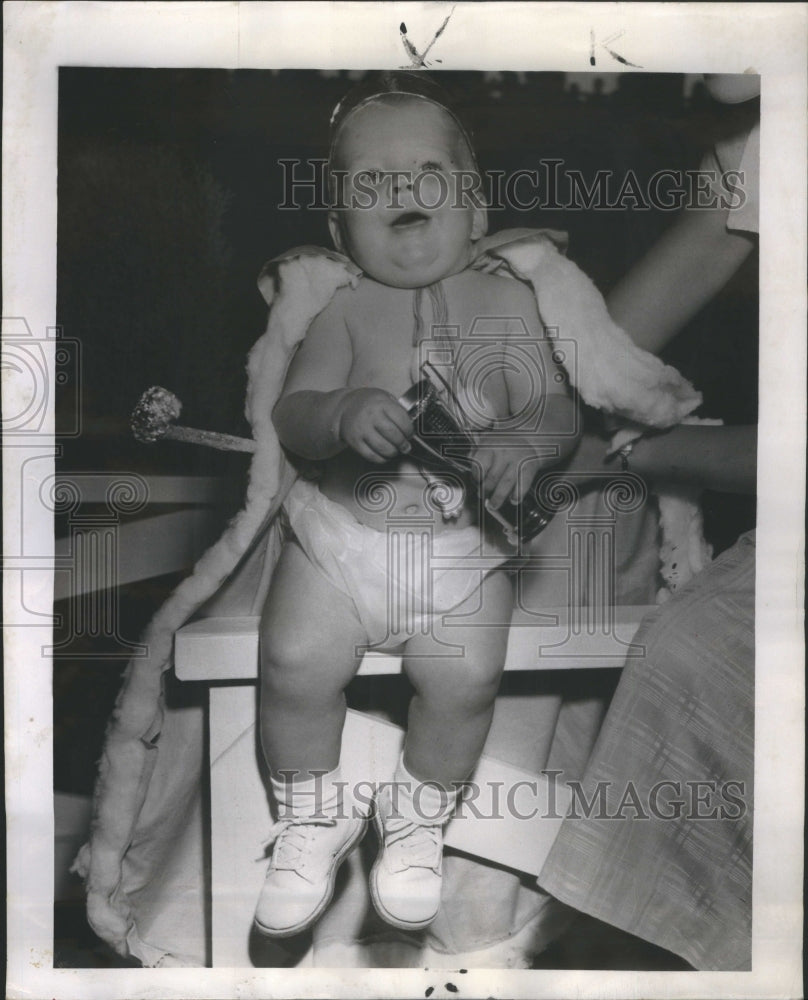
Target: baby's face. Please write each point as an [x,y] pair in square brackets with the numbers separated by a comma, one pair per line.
[401,240]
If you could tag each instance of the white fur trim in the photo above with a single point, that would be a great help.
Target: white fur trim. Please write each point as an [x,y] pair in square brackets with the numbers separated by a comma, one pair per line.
[609,370]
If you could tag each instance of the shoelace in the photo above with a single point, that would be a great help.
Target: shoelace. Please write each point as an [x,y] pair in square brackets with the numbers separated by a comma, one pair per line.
[292,839]
[412,845]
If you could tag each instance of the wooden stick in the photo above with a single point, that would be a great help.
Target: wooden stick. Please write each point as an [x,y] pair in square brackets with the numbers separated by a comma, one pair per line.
[154,417]
[212,439]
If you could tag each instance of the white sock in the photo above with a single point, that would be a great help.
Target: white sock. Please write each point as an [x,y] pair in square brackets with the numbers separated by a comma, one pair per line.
[424,802]
[318,797]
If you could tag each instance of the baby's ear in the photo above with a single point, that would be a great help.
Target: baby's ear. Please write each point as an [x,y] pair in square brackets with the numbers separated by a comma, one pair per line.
[479,226]
[336,231]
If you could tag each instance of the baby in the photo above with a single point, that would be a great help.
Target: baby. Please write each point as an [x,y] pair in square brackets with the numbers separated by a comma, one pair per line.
[409,217]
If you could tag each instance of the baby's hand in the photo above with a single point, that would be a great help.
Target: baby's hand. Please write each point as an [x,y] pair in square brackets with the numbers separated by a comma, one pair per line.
[498,471]
[374,424]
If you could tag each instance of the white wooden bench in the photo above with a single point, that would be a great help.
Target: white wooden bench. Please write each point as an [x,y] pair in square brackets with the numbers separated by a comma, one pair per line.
[226,649]
[223,652]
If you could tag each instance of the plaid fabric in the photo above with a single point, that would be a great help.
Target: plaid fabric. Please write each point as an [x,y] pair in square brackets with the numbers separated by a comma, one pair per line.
[682,714]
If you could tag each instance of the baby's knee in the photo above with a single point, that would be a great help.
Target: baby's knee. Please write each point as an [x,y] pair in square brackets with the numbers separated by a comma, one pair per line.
[294,666]
[283,655]
[480,683]
[279,644]
[471,687]
[482,664]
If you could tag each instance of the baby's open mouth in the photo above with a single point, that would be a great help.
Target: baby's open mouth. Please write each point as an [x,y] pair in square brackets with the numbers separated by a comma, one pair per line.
[408,219]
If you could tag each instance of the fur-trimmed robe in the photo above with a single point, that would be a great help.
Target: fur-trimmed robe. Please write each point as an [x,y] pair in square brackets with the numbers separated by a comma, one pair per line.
[146,806]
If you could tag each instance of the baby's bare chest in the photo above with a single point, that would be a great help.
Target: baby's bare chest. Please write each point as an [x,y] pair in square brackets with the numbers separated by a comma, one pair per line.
[384,356]
[392,335]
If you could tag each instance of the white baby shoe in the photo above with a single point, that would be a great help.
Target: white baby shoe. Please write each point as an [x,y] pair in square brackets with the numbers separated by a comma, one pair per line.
[302,872]
[405,881]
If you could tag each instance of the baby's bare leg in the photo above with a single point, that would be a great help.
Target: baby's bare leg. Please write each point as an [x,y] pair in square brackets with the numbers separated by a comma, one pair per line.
[450,713]
[309,633]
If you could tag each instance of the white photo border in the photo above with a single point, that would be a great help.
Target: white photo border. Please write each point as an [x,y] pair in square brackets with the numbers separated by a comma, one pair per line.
[765,38]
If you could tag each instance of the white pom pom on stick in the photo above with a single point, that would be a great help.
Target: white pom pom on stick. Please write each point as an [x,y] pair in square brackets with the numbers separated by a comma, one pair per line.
[153,418]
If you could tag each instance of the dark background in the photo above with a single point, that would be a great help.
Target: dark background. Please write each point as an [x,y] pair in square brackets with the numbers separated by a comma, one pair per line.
[169,183]
[168,188]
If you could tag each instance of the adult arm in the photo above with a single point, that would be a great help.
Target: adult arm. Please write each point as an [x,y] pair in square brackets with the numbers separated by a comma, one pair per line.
[706,457]
[714,458]
[679,275]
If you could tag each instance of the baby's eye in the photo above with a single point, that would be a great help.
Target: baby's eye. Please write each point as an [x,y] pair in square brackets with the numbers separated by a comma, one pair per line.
[371,176]
[432,165]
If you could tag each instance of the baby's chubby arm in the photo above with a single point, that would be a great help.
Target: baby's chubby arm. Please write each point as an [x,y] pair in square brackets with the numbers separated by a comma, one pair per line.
[557,433]
[318,415]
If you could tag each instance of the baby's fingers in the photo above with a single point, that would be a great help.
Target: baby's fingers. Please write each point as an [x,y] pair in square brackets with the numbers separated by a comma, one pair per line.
[396,415]
[485,460]
[504,487]
[394,434]
[377,448]
[491,465]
